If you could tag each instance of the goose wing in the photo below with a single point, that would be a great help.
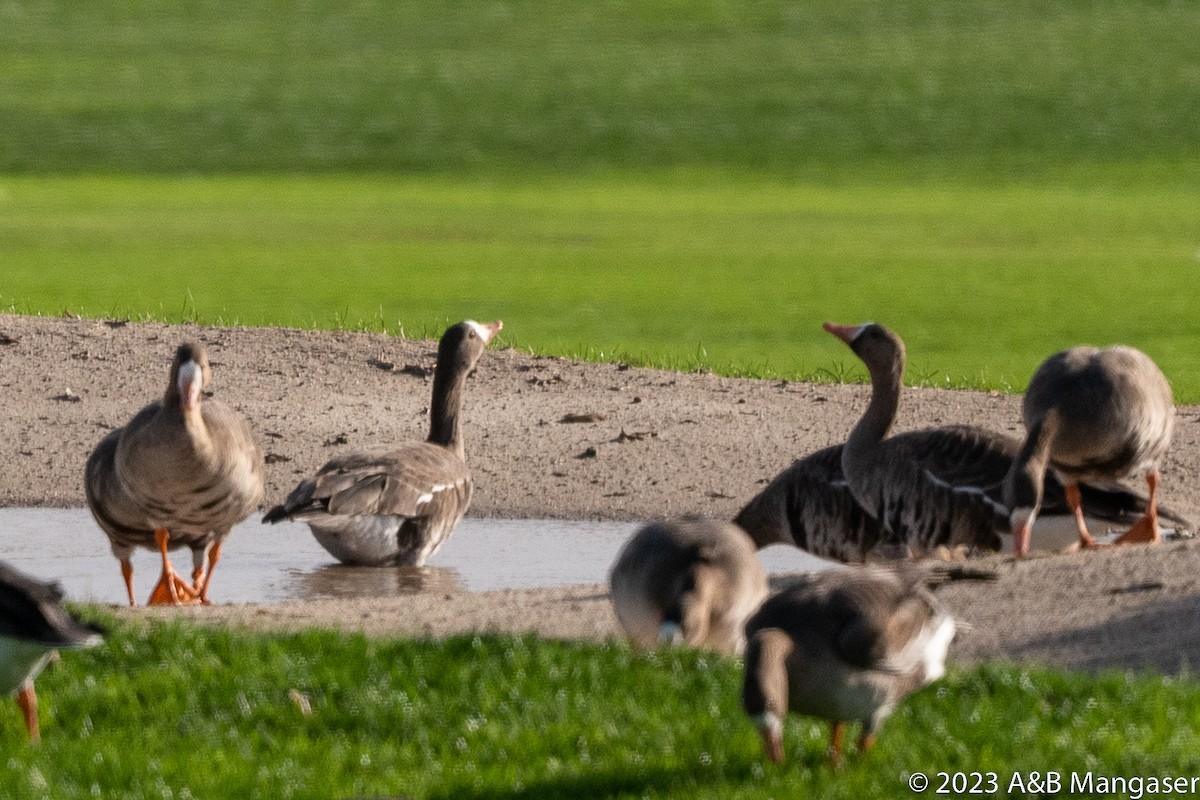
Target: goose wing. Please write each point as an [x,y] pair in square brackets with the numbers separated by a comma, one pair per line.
[408,481]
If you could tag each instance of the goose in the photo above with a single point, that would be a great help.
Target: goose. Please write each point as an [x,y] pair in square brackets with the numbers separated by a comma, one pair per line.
[396,505]
[33,624]
[181,473]
[691,581]
[931,490]
[1091,415]
[844,645]
[809,505]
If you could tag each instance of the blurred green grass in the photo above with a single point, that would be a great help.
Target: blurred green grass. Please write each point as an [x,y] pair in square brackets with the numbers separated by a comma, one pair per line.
[418,85]
[687,185]
[172,710]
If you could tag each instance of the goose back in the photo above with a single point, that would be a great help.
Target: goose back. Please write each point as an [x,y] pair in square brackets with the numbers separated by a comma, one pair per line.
[844,645]
[1116,414]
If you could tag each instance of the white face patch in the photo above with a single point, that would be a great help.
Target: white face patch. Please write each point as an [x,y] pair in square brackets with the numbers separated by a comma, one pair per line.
[859,330]
[483,332]
[191,382]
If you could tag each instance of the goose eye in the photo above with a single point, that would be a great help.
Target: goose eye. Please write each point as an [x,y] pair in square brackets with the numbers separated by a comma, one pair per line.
[471,334]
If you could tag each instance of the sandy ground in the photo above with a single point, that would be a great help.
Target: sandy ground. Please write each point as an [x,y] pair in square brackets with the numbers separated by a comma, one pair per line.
[658,444]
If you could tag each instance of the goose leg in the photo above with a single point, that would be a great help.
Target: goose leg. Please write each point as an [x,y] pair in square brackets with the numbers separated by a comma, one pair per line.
[835,744]
[214,555]
[127,574]
[1075,503]
[27,700]
[171,589]
[1145,530]
[866,741]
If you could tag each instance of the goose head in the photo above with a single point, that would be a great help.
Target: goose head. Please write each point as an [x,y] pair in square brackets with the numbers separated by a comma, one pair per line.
[462,344]
[880,349]
[765,687]
[190,374]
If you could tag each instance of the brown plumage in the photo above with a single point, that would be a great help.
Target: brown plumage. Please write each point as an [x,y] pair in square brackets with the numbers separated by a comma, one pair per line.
[809,505]
[1091,415]
[690,581]
[181,473]
[398,504]
[33,624]
[892,479]
[844,645]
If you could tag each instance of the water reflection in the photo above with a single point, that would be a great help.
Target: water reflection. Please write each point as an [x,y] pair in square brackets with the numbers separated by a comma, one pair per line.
[271,563]
[339,580]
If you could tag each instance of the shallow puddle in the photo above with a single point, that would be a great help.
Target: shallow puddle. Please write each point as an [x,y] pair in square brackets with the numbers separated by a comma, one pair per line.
[270,563]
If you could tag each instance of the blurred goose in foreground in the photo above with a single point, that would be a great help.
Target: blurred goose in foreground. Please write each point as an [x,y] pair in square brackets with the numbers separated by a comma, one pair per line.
[33,624]
[1091,415]
[399,504]
[843,645]
[182,473]
[690,581]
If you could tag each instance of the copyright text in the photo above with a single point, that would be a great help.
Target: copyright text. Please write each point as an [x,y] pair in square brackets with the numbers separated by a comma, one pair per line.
[1052,782]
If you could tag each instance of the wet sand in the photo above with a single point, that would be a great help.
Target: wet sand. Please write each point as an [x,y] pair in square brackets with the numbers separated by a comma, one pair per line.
[661,444]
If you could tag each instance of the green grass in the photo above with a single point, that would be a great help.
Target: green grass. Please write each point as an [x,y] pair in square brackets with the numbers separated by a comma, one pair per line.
[421,85]
[713,271]
[178,711]
[690,185]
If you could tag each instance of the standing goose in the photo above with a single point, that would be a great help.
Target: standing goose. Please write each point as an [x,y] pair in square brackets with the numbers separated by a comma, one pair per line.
[844,645]
[182,473]
[397,505]
[33,624]
[1091,414]
[809,505]
[692,581]
[890,478]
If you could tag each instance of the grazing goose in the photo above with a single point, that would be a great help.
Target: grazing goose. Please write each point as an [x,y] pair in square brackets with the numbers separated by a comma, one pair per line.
[33,624]
[397,505]
[844,645]
[182,473]
[1091,415]
[690,581]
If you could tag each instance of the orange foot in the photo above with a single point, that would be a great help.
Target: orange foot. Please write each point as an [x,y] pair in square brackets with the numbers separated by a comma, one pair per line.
[1144,531]
[173,590]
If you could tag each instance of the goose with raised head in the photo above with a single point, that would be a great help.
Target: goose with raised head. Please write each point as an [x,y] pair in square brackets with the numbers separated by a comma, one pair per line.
[396,505]
[809,505]
[1091,415]
[181,473]
[690,581]
[846,645]
[33,624]
[889,477]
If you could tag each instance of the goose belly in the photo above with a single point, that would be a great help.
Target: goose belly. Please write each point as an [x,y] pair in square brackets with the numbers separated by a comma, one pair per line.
[20,662]
[381,539]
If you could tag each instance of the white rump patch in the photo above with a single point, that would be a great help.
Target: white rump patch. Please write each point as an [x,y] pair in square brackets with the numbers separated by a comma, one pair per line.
[936,647]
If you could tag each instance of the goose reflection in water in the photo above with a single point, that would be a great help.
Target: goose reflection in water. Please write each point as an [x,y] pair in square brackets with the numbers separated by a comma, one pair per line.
[339,580]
